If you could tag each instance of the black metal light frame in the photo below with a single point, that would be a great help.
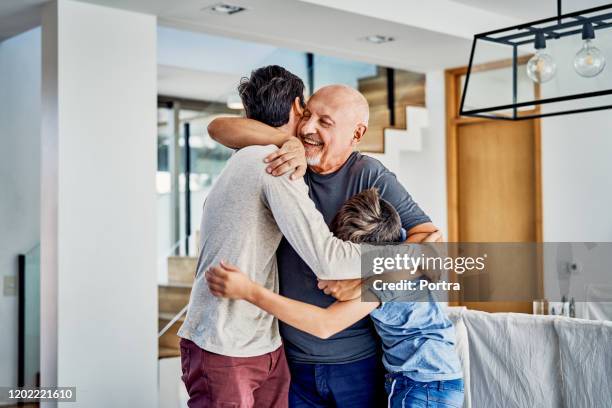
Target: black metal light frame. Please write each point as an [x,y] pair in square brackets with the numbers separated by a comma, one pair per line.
[551,31]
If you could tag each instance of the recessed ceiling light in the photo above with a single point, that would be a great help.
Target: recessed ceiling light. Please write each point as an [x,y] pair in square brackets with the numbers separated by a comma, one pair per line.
[224,8]
[379,39]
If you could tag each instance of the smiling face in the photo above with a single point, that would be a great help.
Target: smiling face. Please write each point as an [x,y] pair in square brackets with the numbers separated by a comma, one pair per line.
[332,124]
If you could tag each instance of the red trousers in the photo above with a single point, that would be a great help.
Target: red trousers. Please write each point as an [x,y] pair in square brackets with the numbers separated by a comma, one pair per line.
[217,381]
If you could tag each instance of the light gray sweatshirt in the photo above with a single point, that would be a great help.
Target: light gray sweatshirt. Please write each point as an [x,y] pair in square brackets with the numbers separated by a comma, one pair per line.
[245,215]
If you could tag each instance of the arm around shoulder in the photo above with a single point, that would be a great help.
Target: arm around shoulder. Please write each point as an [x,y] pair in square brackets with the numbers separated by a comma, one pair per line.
[237,133]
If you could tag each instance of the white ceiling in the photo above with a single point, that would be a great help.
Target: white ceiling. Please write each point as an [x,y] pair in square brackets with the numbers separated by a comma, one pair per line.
[297,25]
[309,27]
[432,34]
[330,25]
[529,10]
[442,16]
[429,34]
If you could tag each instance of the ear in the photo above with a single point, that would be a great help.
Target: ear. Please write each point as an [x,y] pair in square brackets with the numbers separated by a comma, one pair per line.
[359,132]
[297,107]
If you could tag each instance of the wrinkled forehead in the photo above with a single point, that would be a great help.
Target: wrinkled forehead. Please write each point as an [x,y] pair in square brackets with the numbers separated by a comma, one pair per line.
[329,103]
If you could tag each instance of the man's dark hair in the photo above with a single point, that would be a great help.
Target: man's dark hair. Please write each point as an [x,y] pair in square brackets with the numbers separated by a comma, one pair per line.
[268,94]
[366,217]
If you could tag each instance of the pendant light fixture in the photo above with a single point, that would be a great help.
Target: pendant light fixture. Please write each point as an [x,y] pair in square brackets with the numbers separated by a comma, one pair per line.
[542,68]
[589,61]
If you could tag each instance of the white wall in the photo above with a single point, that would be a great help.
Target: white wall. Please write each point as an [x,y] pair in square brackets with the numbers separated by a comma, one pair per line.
[423,173]
[98,216]
[576,170]
[577,151]
[172,392]
[576,199]
[19,176]
[576,177]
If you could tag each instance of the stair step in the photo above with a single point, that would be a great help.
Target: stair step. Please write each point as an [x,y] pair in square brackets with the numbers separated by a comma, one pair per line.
[163,322]
[373,141]
[374,88]
[182,269]
[170,338]
[168,352]
[169,316]
[373,83]
[165,318]
[409,91]
[177,285]
[173,297]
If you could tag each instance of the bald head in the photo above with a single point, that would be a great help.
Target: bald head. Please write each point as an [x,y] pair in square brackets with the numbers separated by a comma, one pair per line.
[333,123]
[349,100]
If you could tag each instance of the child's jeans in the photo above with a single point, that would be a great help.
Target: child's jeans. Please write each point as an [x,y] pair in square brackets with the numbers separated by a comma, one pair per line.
[405,393]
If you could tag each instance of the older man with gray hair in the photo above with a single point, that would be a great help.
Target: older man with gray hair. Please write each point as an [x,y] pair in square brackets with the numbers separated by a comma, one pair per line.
[344,370]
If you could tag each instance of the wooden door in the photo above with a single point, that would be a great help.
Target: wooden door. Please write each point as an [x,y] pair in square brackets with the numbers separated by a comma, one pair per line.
[493,175]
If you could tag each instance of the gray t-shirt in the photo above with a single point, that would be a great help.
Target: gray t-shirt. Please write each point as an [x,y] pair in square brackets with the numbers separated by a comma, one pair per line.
[297,280]
[245,215]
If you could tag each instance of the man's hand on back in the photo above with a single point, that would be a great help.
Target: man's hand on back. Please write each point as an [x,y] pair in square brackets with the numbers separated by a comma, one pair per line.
[290,157]
[341,289]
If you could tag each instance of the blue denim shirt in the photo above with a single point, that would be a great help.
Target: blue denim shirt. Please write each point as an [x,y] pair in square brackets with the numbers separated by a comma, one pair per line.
[418,340]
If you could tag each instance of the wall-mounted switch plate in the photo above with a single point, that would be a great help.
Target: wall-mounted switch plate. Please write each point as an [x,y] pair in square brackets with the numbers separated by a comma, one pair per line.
[10,286]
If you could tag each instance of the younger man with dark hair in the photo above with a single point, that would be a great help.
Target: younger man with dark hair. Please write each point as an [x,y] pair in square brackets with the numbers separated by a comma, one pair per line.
[270,94]
[418,340]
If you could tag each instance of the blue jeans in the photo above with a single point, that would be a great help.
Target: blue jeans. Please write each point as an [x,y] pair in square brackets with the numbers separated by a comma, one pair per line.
[354,385]
[406,393]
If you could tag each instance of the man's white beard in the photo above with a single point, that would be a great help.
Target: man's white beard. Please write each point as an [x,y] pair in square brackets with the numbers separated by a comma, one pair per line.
[313,160]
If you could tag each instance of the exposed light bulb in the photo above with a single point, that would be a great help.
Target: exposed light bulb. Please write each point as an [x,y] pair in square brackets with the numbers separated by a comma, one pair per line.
[589,61]
[541,67]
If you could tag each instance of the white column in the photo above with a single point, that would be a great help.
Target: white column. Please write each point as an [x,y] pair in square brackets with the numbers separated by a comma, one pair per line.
[98,244]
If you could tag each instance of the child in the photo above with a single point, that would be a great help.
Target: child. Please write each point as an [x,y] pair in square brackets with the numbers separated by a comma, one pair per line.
[417,338]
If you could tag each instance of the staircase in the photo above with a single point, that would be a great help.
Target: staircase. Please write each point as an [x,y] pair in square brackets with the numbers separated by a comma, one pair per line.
[409,91]
[173,297]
